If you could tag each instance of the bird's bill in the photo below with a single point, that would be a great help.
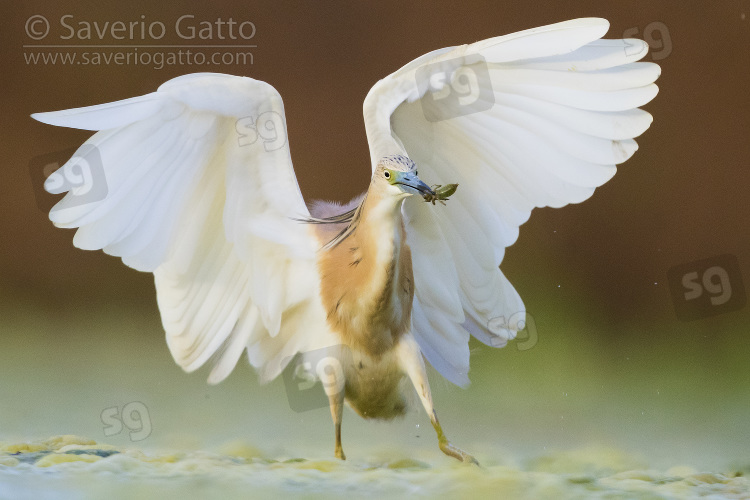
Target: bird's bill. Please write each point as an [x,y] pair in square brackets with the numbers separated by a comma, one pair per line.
[410,183]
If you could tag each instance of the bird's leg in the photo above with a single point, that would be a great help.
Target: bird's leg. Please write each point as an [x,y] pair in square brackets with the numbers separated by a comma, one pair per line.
[410,358]
[336,401]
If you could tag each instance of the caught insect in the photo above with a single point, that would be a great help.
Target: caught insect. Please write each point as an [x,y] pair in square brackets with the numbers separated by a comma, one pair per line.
[441,193]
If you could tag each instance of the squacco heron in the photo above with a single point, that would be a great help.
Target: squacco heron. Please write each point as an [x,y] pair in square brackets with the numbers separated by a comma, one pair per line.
[201,192]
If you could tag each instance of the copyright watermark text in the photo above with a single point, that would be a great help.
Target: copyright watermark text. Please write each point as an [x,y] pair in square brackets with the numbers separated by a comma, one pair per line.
[186,40]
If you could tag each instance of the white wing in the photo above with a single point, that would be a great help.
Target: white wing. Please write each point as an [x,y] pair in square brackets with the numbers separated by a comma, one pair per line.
[200,190]
[532,119]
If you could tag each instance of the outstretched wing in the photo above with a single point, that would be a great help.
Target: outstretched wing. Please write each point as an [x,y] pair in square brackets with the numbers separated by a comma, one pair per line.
[532,119]
[200,190]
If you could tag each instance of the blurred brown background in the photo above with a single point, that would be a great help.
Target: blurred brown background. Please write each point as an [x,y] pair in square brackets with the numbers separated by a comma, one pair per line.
[682,197]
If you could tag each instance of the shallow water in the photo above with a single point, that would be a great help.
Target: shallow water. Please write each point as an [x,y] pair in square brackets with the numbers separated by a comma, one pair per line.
[72,467]
[565,419]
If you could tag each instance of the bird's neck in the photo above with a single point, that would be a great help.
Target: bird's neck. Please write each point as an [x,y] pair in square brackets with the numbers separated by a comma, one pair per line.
[381,228]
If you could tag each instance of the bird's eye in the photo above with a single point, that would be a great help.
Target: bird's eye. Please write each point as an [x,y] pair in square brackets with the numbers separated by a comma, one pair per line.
[387,174]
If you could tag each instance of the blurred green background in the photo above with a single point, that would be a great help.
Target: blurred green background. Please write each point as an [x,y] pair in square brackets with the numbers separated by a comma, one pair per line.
[613,365]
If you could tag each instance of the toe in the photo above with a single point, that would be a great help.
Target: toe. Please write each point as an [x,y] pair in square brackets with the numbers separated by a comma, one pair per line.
[457,453]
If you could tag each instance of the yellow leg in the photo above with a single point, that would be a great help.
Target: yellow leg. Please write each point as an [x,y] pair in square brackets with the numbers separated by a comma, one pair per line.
[337,409]
[336,400]
[410,358]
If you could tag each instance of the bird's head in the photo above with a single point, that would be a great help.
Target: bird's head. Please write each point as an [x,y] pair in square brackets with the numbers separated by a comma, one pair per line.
[397,176]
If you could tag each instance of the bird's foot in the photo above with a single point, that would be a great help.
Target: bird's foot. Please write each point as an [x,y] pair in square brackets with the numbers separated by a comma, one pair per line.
[340,453]
[457,453]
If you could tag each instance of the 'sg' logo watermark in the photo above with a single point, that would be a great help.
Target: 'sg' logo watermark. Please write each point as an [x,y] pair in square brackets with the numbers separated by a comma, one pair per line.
[456,87]
[269,127]
[134,416]
[707,287]
[79,172]
[524,326]
[305,374]
[656,35]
